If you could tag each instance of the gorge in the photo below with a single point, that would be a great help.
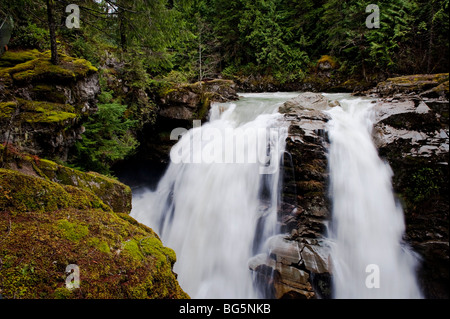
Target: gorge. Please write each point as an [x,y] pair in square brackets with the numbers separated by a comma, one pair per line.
[213,205]
[211,149]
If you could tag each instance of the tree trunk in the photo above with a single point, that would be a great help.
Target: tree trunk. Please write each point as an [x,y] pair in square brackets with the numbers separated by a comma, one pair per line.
[52,28]
[122,30]
[430,42]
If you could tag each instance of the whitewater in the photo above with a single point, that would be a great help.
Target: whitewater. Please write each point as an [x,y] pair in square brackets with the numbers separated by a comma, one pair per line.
[370,258]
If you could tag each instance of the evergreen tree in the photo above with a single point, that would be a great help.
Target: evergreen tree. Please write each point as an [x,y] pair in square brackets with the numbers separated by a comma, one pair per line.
[107,138]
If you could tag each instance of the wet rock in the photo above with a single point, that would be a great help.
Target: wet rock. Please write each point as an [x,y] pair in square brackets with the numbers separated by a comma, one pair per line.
[306,101]
[412,135]
[298,260]
[291,269]
[192,101]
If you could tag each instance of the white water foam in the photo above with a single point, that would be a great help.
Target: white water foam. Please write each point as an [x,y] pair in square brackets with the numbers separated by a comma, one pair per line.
[215,214]
[369,257]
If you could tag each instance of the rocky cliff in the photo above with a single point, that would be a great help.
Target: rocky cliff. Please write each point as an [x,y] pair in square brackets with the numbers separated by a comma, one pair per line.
[42,106]
[412,134]
[178,107]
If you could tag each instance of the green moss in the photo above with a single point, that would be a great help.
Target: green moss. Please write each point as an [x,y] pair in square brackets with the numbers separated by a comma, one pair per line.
[131,248]
[153,246]
[111,192]
[49,93]
[7,109]
[62,293]
[424,184]
[41,69]
[21,193]
[117,256]
[99,244]
[44,112]
[417,81]
[72,231]
[84,199]
[327,59]
[12,58]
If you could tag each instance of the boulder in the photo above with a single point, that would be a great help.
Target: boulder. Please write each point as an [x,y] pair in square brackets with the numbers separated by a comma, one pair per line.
[48,226]
[292,269]
[116,195]
[192,101]
[306,101]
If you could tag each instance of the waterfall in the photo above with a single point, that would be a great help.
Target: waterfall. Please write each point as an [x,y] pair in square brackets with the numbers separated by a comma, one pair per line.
[369,258]
[217,202]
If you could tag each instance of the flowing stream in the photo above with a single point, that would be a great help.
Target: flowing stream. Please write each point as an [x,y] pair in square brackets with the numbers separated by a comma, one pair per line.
[218,200]
[369,257]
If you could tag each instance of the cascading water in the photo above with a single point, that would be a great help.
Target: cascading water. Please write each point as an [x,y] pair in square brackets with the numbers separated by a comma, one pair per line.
[369,258]
[218,200]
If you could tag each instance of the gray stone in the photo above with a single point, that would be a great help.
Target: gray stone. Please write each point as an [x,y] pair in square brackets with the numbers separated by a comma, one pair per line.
[286,252]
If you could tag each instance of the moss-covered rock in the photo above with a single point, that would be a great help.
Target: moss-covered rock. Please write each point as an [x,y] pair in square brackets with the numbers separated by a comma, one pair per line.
[13,58]
[42,106]
[417,83]
[37,112]
[112,192]
[45,226]
[90,190]
[326,63]
[37,67]
[192,101]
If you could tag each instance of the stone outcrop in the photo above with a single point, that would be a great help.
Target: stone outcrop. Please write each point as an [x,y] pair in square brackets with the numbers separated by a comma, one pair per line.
[179,107]
[42,106]
[192,101]
[425,85]
[412,134]
[297,264]
[53,216]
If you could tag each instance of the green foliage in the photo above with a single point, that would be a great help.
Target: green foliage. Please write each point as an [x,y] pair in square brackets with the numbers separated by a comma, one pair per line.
[178,41]
[424,185]
[30,36]
[107,138]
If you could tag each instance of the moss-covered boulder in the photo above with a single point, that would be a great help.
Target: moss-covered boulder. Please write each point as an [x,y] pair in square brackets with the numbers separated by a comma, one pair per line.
[46,226]
[42,106]
[434,84]
[116,195]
